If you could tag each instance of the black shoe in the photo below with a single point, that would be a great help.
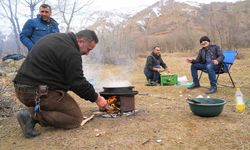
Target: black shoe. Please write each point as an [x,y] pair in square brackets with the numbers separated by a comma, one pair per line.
[211,90]
[152,83]
[27,123]
[194,86]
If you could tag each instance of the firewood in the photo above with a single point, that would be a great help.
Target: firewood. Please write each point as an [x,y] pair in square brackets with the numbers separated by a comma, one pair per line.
[86,120]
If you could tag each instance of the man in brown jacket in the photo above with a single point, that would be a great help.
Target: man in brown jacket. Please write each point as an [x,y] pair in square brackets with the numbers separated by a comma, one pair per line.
[53,67]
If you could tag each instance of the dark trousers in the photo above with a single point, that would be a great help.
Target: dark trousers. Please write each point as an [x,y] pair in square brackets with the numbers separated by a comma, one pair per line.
[152,75]
[210,69]
[58,110]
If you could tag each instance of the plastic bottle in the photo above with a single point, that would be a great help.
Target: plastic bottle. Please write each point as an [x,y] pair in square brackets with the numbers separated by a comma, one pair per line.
[240,105]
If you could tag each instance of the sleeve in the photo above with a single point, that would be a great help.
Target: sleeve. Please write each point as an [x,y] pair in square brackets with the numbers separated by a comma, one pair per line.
[149,63]
[55,25]
[198,58]
[163,64]
[26,34]
[76,80]
[57,29]
[220,57]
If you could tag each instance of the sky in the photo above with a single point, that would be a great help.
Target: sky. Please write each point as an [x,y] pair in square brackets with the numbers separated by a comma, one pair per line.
[121,5]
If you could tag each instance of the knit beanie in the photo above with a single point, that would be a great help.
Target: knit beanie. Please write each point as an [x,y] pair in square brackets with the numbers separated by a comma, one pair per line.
[204,38]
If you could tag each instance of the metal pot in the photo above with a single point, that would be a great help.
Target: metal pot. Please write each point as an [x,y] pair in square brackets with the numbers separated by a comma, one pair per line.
[119,90]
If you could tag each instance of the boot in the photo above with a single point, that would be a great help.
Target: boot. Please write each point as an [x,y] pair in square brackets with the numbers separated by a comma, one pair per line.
[193,86]
[212,90]
[27,123]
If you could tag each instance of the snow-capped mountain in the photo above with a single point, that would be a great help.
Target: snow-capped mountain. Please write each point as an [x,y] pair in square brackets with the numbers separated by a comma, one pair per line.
[106,21]
[174,26]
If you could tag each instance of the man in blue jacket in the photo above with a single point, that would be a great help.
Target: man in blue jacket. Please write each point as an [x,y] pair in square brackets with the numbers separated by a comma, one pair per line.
[34,29]
[209,58]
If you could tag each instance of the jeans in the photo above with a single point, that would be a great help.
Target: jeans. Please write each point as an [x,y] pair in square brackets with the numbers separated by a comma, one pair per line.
[152,75]
[209,68]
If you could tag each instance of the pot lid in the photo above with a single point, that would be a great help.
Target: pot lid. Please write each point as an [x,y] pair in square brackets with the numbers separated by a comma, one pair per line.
[118,94]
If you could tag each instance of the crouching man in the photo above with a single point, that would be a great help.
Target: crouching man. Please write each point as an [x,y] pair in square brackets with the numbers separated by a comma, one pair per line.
[53,67]
[154,66]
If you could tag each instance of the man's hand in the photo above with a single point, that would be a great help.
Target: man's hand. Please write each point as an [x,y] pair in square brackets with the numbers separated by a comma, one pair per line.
[165,71]
[161,70]
[216,62]
[101,102]
[189,60]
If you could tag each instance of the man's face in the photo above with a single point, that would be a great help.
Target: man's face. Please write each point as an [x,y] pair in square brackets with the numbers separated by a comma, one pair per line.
[45,13]
[85,47]
[157,51]
[204,43]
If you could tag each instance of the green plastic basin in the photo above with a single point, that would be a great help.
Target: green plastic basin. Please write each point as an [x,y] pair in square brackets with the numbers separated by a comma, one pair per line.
[206,107]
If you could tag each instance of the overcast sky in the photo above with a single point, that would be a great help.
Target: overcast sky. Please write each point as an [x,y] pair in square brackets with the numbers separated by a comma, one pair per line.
[120,4]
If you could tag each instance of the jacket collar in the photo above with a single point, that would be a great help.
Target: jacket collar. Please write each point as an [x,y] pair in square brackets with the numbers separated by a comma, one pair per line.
[51,20]
[73,37]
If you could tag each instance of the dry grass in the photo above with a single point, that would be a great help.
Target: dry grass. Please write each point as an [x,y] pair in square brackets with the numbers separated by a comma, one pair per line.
[164,120]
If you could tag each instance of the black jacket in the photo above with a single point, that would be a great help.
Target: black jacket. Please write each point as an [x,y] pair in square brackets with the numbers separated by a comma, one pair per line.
[56,61]
[153,60]
[216,53]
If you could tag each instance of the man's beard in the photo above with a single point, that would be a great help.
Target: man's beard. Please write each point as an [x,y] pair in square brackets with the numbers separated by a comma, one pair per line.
[46,19]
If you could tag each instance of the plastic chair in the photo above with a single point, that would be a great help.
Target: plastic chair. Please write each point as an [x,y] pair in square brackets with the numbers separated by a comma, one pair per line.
[230,56]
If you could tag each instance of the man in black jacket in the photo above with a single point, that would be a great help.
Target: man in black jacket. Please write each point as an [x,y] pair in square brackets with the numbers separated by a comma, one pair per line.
[53,67]
[154,66]
[209,58]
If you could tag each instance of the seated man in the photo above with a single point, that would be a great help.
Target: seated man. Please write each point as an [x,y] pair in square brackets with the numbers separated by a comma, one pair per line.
[209,58]
[154,66]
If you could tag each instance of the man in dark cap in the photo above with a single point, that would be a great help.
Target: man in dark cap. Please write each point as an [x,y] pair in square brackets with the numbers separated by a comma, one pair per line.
[209,58]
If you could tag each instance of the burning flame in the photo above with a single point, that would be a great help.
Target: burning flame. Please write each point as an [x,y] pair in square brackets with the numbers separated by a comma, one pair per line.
[112,102]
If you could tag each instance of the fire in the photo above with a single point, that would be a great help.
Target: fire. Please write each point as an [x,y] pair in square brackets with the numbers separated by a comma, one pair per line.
[113,104]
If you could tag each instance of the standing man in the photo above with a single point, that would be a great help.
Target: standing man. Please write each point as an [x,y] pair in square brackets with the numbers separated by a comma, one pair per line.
[154,66]
[209,58]
[34,29]
[53,67]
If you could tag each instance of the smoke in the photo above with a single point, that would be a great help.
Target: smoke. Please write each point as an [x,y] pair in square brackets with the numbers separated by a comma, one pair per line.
[107,75]
[116,83]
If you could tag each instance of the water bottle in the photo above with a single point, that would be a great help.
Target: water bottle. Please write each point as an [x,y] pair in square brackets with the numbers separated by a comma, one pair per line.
[240,105]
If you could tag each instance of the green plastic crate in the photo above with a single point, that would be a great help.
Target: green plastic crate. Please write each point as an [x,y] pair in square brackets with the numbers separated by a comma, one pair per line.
[168,79]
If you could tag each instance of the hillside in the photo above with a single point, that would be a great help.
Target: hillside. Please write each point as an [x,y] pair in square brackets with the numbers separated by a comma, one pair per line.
[163,120]
[176,27]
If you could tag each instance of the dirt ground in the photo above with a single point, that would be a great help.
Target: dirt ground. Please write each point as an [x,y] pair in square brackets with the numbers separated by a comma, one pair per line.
[163,121]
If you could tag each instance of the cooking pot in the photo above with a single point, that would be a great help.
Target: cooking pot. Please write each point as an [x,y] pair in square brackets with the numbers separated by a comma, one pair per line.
[125,89]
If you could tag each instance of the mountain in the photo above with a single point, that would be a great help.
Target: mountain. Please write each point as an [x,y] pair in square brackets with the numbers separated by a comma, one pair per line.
[175,26]
[106,20]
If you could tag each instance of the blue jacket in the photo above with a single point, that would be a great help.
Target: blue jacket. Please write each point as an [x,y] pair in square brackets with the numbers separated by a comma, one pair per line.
[36,28]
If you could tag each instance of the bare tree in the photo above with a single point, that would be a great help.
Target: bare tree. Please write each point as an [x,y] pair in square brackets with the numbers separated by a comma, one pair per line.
[1,43]
[69,9]
[10,11]
[32,5]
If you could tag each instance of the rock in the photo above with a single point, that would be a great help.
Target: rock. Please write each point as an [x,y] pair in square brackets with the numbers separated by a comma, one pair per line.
[2,73]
